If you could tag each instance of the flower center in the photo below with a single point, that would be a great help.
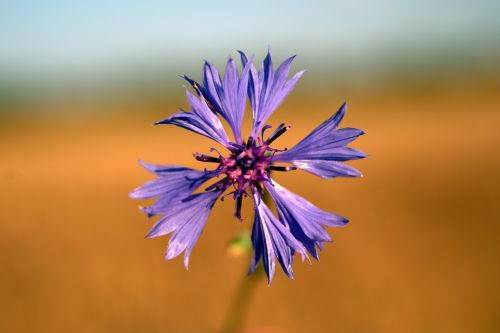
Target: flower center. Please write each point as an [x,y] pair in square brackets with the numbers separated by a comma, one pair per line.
[247,166]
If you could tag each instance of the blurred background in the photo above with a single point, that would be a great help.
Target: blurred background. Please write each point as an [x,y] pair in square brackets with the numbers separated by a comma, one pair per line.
[82,81]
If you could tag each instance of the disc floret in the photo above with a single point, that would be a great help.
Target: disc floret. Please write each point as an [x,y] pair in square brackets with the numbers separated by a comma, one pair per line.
[247,167]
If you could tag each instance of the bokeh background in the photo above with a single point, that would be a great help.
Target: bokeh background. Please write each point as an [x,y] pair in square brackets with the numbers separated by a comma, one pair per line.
[82,81]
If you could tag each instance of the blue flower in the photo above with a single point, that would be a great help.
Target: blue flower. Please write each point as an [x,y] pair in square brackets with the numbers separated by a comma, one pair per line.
[185,196]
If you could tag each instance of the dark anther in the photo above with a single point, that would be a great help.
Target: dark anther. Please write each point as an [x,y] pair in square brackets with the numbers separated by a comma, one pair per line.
[259,188]
[277,133]
[239,202]
[206,158]
[217,185]
[281,168]
[249,142]
[225,195]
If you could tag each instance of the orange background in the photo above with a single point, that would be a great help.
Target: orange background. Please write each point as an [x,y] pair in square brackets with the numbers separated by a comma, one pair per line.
[420,253]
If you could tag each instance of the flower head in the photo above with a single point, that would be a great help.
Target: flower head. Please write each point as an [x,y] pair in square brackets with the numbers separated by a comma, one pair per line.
[184,201]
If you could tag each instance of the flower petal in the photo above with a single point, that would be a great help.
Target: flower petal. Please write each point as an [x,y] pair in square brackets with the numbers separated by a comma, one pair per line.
[267,89]
[327,168]
[174,182]
[271,239]
[200,120]
[228,97]
[253,85]
[186,221]
[304,220]
[322,150]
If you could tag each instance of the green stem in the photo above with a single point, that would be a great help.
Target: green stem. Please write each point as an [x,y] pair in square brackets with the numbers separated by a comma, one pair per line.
[234,322]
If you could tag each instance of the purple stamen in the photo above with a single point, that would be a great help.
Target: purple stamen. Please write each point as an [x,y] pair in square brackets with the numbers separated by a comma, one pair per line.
[277,133]
[249,142]
[225,195]
[281,168]
[206,158]
[218,185]
[239,204]
[247,166]
[214,149]
[263,130]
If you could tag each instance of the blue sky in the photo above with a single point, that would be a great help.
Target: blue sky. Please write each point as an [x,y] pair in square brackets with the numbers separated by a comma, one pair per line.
[51,35]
